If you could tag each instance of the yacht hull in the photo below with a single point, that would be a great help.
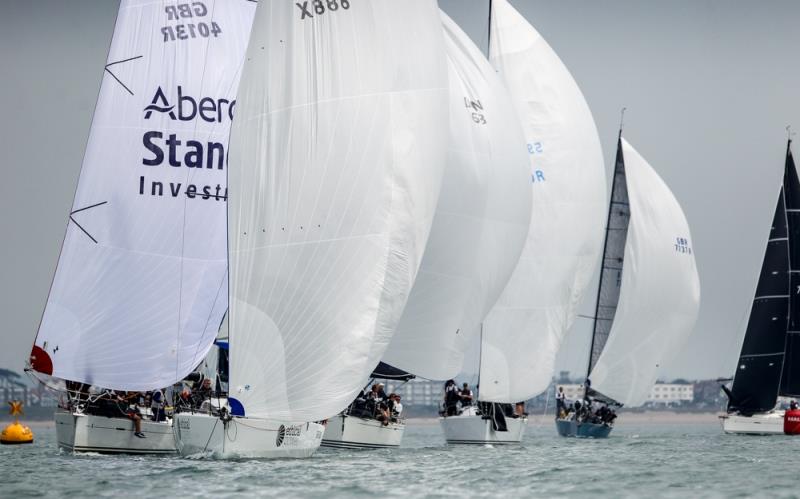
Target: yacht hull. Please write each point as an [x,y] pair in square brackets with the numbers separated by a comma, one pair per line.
[241,437]
[474,429]
[766,423]
[349,432]
[570,428]
[76,432]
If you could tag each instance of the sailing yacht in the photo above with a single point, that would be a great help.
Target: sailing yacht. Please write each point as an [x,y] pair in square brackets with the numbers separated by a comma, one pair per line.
[337,157]
[647,299]
[521,334]
[358,427]
[481,221]
[140,286]
[767,368]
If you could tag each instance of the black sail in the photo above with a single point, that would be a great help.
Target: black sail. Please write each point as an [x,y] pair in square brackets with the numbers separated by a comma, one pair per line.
[790,381]
[619,216]
[758,374]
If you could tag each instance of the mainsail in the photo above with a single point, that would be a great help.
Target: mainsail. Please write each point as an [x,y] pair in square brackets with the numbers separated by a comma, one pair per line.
[140,286]
[762,366]
[790,379]
[619,215]
[337,154]
[523,332]
[659,294]
[481,220]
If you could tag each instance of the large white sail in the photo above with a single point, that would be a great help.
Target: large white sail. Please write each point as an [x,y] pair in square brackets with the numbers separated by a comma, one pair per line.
[481,220]
[140,287]
[660,290]
[522,334]
[337,154]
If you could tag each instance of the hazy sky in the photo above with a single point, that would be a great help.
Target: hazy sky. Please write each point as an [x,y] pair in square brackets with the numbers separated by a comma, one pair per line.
[709,86]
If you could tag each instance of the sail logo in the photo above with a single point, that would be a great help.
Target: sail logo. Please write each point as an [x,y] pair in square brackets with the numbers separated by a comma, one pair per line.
[682,245]
[188,108]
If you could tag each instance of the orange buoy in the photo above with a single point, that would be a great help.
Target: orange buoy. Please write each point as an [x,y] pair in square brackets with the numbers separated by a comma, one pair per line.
[16,433]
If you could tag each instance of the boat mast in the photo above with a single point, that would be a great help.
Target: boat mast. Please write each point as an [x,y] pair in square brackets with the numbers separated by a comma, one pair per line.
[489,32]
[480,341]
[605,244]
[480,359]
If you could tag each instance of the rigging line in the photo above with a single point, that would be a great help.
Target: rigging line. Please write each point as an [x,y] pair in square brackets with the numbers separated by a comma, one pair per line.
[546,403]
[205,447]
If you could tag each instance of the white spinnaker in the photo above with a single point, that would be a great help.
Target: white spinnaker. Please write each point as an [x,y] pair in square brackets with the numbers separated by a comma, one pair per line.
[140,286]
[337,155]
[660,295]
[481,220]
[522,334]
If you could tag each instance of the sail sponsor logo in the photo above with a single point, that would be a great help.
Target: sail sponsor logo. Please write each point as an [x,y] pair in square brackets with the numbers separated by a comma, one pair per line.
[309,8]
[188,30]
[682,246]
[171,149]
[187,108]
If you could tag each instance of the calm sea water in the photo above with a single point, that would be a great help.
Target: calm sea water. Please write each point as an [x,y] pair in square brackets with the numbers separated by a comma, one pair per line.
[639,460]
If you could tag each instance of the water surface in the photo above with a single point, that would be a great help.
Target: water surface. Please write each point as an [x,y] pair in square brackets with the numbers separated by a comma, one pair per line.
[639,460]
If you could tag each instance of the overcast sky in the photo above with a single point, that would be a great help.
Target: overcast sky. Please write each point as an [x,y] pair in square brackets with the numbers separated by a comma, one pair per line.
[709,86]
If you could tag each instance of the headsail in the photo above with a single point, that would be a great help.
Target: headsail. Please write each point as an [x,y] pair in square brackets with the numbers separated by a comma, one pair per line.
[140,286]
[337,154]
[660,289]
[790,379]
[523,333]
[481,220]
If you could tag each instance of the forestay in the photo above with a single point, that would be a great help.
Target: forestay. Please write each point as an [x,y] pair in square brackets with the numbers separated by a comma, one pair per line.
[337,155]
[140,286]
[660,293]
[480,224]
[523,333]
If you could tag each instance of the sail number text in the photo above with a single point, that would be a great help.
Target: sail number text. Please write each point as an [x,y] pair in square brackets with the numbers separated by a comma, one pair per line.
[682,245]
[475,109]
[181,11]
[319,7]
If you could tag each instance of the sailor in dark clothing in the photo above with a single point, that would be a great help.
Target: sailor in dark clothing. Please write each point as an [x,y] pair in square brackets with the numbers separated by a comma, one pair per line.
[465,395]
[205,392]
[451,398]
